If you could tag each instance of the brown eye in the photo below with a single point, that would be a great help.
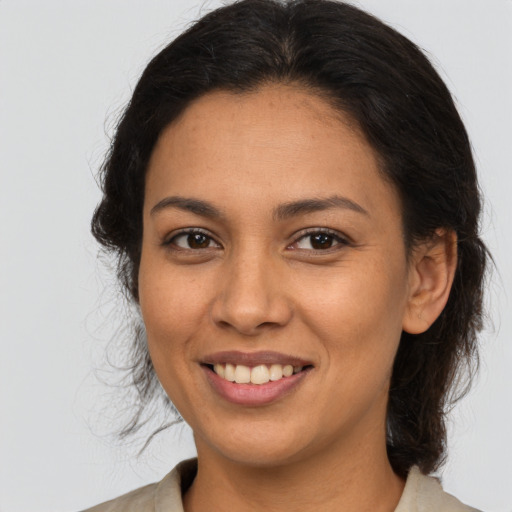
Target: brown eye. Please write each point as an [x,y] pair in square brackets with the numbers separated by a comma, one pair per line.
[193,240]
[198,241]
[319,241]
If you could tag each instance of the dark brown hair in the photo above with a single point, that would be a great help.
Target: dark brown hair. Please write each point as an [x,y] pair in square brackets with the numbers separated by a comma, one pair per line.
[387,85]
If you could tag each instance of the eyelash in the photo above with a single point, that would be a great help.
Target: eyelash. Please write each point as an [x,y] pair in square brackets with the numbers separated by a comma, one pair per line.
[186,233]
[340,240]
[335,237]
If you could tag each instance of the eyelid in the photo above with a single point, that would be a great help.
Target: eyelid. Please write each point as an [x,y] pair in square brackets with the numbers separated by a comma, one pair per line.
[186,231]
[342,239]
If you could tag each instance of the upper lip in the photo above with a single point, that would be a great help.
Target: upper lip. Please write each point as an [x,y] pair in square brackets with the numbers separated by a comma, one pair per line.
[254,358]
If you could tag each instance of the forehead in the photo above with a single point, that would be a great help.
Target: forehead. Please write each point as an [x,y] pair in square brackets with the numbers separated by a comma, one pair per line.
[278,142]
[286,108]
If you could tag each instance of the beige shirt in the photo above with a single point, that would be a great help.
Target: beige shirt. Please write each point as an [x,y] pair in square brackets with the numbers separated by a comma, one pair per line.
[421,494]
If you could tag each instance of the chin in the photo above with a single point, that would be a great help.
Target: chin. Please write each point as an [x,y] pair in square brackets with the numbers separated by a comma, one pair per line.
[257,446]
[258,458]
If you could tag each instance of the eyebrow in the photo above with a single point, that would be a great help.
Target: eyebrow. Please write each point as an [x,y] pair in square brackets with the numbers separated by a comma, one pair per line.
[197,206]
[305,206]
[282,212]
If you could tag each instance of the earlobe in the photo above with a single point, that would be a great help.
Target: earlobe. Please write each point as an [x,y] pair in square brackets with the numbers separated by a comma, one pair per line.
[432,270]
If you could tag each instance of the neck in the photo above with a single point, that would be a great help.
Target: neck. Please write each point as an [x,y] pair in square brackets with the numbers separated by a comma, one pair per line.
[339,478]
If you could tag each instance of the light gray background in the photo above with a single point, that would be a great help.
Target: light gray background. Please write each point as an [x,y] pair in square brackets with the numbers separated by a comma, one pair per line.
[66,70]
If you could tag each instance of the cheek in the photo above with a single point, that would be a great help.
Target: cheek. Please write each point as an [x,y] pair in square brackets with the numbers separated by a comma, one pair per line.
[173,308]
[357,310]
[357,318]
[173,305]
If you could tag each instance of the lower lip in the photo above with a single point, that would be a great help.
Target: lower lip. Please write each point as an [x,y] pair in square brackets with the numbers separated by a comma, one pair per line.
[254,394]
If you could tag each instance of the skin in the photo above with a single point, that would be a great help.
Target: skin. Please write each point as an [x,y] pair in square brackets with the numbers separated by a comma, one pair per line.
[257,283]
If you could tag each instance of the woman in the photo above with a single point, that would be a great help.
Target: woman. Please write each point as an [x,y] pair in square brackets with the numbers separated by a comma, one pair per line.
[293,201]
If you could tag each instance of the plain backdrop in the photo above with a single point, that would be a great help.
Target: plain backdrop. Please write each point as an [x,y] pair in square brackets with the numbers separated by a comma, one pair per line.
[66,70]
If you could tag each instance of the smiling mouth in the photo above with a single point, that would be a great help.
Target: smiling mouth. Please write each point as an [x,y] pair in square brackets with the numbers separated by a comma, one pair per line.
[260,374]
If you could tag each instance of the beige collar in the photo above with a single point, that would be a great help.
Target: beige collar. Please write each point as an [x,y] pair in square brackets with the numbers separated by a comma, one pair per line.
[421,493]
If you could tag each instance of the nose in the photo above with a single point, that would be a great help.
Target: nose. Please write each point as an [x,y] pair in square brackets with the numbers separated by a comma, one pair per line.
[252,297]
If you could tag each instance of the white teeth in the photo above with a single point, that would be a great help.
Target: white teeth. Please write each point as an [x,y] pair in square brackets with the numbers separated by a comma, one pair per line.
[242,374]
[287,370]
[260,374]
[276,372]
[219,370]
[229,372]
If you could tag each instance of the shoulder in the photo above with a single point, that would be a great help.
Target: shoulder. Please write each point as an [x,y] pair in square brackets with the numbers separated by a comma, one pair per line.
[424,494]
[140,500]
[163,495]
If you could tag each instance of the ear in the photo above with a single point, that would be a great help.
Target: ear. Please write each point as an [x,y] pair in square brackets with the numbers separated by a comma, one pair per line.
[431,272]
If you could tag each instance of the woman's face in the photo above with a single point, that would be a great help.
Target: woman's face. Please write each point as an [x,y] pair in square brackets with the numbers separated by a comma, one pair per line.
[271,241]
